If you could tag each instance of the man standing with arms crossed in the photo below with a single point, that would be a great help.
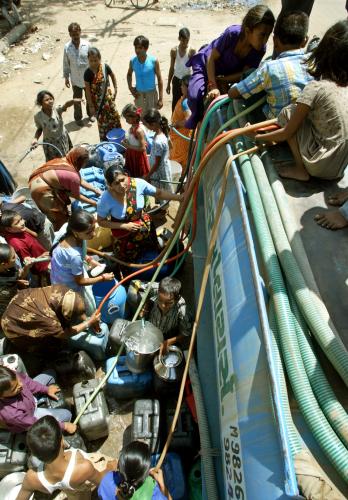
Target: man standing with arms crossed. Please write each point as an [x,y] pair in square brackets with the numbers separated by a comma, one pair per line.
[75,62]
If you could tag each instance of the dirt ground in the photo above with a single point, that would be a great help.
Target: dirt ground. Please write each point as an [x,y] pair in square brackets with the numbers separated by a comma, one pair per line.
[35,63]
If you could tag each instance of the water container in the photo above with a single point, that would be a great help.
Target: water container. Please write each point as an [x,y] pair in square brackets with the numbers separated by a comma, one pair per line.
[74,441]
[146,421]
[174,477]
[11,485]
[149,256]
[117,329]
[195,481]
[13,452]
[73,367]
[102,238]
[94,344]
[116,136]
[93,174]
[46,402]
[108,154]
[95,421]
[13,362]
[115,305]
[123,384]
[185,431]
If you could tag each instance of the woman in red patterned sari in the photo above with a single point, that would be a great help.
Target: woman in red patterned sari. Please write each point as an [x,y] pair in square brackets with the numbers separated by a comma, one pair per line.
[101,99]
[120,208]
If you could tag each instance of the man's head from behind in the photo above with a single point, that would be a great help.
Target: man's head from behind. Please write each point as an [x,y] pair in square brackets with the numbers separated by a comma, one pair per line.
[290,31]
[44,439]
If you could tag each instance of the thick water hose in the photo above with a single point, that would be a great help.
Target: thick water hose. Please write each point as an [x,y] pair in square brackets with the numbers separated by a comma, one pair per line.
[329,342]
[294,440]
[235,118]
[207,459]
[295,239]
[332,408]
[315,419]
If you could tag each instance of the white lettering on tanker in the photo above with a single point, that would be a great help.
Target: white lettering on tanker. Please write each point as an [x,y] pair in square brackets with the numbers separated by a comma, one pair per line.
[230,435]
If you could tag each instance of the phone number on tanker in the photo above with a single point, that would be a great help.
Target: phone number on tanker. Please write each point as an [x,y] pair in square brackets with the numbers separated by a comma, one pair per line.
[233,465]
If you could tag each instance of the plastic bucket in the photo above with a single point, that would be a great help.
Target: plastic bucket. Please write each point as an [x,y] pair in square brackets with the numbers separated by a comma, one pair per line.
[116,136]
[114,306]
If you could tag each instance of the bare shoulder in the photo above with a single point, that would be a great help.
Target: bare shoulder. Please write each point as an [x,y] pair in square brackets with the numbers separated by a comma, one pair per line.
[192,52]
[84,471]
[173,51]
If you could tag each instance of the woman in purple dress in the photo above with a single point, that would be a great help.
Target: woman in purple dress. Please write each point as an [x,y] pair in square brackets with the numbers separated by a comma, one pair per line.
[224,60]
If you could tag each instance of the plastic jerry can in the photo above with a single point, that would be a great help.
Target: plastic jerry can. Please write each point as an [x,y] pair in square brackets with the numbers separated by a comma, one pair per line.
[115,304]
[93,174]
[145,422]
[73,367]
[124,384]
[13,452]
[46,402]
[94,344]
[174,477]
[74,441]
[94,423]
[184,434]
[13,362]
[116,332]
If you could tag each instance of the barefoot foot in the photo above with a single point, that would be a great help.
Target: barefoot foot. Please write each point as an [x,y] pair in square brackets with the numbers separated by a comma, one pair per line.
[331,220]
[296,173]
[339,198]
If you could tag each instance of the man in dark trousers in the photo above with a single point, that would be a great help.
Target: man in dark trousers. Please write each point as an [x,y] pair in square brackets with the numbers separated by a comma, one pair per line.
[292,5]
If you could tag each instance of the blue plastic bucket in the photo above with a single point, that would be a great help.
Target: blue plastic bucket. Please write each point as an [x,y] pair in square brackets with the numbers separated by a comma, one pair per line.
[116,136]
[114,306]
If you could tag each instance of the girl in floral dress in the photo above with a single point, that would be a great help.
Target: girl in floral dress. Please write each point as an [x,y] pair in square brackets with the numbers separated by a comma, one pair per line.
[101,99]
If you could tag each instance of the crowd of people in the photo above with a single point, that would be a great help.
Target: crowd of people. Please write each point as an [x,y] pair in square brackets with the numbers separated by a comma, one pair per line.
[44,264]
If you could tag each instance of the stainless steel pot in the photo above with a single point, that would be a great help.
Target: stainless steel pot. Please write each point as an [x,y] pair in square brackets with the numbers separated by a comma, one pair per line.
[170,366]
[142,340]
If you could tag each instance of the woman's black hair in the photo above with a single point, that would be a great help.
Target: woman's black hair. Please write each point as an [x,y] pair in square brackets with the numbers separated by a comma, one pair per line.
[184,33]
[112,172]
[5,252]
[329,60]
[260,14]
[154,116]
[44,439]
[41,95]
[79,221]
[7,218]
[93,51]
[6,377]
[133,464]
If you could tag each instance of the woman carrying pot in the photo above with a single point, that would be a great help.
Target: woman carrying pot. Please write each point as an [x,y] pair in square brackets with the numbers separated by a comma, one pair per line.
[121,208]
[41,318]
[52,185]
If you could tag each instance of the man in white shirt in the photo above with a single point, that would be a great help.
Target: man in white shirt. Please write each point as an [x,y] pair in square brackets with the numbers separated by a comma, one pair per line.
[75,63]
